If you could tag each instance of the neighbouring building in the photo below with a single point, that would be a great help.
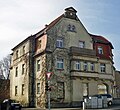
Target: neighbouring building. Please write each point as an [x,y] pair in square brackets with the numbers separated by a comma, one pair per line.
[117,85]
[81,64]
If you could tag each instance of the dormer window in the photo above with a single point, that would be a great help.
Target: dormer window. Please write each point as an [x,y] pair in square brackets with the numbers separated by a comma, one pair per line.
[100,50]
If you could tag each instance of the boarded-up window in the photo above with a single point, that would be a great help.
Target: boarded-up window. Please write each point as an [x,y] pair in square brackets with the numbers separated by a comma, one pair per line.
[60,89]
[85,89]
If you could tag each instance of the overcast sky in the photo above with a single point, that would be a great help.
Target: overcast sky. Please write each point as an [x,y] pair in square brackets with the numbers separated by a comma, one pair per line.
[21,18]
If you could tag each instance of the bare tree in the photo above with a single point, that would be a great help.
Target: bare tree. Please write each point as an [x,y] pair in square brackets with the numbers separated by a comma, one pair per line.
[5,67]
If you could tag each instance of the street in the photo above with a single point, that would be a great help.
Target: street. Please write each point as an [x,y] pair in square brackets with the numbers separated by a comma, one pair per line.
[114,107]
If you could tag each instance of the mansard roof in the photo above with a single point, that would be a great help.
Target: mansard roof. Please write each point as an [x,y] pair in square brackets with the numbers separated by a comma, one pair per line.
[100,39]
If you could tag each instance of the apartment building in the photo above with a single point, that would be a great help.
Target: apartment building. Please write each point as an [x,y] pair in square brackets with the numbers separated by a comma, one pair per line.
[81,64]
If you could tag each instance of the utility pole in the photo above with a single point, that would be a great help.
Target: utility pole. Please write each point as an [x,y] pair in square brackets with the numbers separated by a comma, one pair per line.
[48,89]
[48,92]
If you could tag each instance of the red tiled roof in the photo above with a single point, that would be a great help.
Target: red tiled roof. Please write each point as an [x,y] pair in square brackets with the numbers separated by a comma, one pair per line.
[54,22]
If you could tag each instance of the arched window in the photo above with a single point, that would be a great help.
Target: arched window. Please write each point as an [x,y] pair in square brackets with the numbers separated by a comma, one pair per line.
[102,88]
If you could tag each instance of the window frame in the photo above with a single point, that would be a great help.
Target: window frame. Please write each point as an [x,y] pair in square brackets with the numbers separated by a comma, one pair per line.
[100,50]
[23,89]
[92,66]
[38,65]
[23,69]
[23,49]
[71,28]
[38,88]
[59,43]
[77,65]
[16,90]
[16,71]
[102,68]
[81,44]
[85,66]
[60,63]
[16,53]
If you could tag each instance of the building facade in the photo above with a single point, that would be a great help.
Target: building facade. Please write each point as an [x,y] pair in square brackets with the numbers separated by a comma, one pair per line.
[81,64]
[117,85]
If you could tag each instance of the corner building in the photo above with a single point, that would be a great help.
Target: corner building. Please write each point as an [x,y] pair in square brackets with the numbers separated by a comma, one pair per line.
[81,64]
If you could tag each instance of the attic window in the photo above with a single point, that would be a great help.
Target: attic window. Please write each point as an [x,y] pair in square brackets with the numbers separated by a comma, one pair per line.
[71,28]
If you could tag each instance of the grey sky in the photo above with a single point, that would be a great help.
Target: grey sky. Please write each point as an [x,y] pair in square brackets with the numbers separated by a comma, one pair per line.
[21,18]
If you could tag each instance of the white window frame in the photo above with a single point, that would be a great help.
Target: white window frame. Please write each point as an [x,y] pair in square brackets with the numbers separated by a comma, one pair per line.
[60,63]
[85,66]
[100,50]
[77,65]
[102,68]
[92,66]
[82,44]
[59,43]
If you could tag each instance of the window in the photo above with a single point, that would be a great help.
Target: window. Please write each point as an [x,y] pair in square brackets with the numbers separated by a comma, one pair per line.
[39,43]
[102,68]
[23,50]
[38,65]
[77,65]
[16,71]
[81,44]
[60,90]
[16,87]
[71,28]
[59,43]
[23,68]
[92,66]
[85,66]
[85,89]
[23,89]
[17,54]
[38,88]
[60,63]
[100,50]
